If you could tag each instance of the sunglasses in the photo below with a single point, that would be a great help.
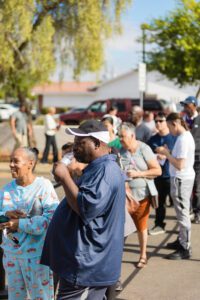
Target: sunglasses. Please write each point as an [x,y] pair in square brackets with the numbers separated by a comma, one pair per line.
[159,121]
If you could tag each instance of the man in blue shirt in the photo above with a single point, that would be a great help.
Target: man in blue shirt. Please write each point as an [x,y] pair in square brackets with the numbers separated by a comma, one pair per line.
[84,242]
[162,138]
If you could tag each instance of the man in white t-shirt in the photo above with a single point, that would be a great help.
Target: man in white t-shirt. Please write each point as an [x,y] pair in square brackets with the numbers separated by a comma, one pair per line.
[181,183]
[51,127]
[184,149]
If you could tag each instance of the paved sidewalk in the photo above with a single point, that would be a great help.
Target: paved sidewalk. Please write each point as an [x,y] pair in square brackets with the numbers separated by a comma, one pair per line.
[161,279]
[7,141]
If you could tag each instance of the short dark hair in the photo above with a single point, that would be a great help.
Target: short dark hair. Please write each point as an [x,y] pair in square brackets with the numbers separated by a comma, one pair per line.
[113,107]
[160,114]
[109,119]
[22,104]
[68,146]
[176,116]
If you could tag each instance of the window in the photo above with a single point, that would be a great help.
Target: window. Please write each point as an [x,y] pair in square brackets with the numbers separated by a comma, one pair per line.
[121,106]
[98,107]
[104,107]
[152,105]
[95,107]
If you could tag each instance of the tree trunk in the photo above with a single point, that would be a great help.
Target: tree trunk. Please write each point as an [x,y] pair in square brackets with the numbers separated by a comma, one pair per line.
[198,92]
[21,97]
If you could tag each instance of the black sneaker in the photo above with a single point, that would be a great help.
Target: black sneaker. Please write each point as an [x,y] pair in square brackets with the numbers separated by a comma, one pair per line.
[180,253]
[174,245]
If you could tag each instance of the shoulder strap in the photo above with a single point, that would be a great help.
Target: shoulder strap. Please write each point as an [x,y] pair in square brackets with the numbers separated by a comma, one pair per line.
[141,151]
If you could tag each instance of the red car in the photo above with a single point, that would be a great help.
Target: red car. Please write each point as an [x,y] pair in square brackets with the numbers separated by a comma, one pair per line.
[97,109]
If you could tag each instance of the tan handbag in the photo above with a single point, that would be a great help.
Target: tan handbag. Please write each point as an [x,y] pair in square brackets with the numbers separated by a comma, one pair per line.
[131,204]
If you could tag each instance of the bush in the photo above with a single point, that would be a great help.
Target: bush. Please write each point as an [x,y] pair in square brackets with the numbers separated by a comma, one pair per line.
[39,121]
[44,110]
[59,110]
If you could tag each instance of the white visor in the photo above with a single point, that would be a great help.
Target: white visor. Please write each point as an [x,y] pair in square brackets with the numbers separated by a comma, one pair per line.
[99,135]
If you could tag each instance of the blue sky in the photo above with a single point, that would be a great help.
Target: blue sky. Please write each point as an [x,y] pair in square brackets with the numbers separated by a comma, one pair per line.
[123,52]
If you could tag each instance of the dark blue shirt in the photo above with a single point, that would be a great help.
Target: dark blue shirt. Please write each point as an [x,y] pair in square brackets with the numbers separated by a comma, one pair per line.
[158,140]
[87,250]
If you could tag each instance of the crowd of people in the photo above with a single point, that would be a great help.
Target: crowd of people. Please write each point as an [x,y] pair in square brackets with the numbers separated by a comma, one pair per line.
[110,176]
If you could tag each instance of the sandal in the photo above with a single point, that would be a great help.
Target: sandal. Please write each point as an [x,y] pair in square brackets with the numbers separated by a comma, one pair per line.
[142,263]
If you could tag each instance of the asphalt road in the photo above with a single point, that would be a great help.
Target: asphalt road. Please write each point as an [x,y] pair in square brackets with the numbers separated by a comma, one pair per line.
[7,141]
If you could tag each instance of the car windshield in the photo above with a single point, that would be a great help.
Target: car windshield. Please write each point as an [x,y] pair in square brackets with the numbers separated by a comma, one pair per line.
[98,107]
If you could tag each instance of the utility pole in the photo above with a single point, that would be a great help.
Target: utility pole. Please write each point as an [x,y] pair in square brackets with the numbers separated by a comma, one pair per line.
[143,43]
[142,68]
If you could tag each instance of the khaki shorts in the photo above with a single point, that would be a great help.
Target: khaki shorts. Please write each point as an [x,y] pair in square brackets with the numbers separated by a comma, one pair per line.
[21,140]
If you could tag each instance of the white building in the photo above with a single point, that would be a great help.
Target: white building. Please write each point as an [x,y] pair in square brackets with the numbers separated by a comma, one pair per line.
[64,94]
[72,94]
[126,86]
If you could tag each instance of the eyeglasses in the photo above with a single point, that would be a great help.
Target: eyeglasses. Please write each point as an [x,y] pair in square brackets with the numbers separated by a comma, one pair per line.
[159,121]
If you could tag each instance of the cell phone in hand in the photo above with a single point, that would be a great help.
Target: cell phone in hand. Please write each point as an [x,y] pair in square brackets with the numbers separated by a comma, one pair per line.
[4,219]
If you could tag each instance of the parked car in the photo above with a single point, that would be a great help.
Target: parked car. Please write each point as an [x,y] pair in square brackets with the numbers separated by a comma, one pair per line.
[75,110]
[97,109]
[6,110]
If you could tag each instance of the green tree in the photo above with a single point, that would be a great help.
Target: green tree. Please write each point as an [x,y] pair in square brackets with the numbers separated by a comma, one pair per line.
[175,42]
[34,33]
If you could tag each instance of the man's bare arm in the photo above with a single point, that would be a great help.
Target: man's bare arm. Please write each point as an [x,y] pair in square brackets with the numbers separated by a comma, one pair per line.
[12,125]
[62,175]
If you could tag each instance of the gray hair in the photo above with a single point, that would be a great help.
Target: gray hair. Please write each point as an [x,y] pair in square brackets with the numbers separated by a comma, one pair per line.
[32,154]
[127,126]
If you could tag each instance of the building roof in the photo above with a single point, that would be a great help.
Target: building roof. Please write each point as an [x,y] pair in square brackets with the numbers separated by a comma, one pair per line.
[113,79]
[63,87]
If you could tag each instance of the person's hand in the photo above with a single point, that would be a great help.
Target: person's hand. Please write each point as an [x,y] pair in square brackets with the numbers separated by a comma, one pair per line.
[162,150]
[58,126]
[15,214]
[59,171]
[12,225]
[75,168]
[161,156]
[133,173]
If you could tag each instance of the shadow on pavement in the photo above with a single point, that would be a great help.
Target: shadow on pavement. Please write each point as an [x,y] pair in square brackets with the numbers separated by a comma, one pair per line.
[153,253]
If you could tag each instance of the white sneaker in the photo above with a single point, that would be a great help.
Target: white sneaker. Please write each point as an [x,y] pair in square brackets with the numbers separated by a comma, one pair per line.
[156,230]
